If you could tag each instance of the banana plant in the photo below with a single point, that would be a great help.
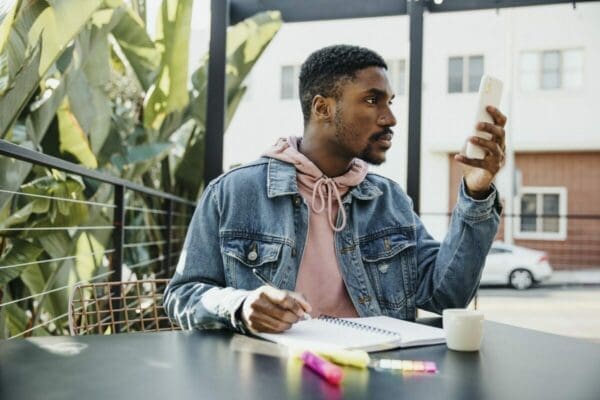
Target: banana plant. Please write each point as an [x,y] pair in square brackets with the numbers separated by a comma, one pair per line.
[88,84]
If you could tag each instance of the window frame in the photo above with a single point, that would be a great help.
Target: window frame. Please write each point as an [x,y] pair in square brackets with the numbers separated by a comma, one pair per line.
[466,59]
[561,70]
[295,74]
[538,191]
[398,90]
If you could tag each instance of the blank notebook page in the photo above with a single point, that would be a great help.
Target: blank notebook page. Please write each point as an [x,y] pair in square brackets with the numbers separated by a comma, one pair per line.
[370,334]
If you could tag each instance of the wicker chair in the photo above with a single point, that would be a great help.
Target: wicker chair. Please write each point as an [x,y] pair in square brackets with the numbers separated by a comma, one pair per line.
[101,308]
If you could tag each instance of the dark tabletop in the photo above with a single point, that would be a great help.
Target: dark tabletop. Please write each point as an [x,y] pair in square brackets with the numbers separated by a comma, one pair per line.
[513,363]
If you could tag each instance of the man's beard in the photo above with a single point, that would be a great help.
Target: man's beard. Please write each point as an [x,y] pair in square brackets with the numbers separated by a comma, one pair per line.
[344,132]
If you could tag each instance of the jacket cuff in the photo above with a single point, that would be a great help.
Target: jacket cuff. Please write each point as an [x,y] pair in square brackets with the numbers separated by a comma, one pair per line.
[218,306]
[236,317]
[478,210]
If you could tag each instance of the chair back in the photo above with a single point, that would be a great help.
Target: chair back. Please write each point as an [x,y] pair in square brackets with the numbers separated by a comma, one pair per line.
[115,307]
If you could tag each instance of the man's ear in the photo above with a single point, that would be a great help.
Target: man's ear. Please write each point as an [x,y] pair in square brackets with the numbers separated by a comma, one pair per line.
[323,108]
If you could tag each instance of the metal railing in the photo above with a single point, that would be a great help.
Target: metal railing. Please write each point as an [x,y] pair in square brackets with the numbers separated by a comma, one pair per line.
[571,240]
[142,240]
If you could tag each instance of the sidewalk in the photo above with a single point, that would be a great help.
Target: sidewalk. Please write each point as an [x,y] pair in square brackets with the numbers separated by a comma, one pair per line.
[590,276]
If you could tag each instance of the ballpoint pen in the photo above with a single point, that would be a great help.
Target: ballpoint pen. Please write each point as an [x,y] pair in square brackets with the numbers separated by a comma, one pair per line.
[267,282]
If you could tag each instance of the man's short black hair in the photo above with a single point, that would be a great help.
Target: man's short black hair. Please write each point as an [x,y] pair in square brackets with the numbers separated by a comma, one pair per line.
[325,70]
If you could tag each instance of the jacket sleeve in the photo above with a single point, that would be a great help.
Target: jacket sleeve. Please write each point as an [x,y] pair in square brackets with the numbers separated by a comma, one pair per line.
[448,273]
[196,296]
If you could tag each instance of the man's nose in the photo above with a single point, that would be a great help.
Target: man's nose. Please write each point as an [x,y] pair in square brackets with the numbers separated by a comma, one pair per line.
[387,118]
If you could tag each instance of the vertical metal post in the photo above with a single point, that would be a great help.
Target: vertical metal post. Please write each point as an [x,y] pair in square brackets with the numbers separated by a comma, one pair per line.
[118,233]
[169,233]
[116,264]
[413,184]
[216,97]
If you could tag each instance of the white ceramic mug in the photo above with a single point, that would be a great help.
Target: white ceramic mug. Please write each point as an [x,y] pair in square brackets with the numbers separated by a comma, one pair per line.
[464,329]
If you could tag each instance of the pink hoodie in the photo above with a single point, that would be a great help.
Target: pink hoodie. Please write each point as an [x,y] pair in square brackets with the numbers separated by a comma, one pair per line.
[319,277]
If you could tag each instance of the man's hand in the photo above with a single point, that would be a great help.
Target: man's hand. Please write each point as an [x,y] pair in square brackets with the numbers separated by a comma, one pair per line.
[268,309]
[479,174]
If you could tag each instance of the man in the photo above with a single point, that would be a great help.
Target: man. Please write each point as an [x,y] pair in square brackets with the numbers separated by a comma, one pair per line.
[332,238]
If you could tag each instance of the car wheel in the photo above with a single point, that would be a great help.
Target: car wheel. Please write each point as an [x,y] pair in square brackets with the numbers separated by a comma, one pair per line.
[521,279]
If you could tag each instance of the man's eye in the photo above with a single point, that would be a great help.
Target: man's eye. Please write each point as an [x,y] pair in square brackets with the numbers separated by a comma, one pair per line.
[372,100]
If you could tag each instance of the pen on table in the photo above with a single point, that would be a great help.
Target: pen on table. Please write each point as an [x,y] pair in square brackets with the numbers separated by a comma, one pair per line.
[267,282]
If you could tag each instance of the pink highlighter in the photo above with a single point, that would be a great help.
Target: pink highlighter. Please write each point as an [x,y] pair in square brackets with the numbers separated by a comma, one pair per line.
[330,372]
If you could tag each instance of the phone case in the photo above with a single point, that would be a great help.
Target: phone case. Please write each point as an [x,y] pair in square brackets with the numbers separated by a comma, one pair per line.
[490,94]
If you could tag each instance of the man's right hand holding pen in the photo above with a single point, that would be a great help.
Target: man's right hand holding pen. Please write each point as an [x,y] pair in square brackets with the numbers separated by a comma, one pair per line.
[268,309]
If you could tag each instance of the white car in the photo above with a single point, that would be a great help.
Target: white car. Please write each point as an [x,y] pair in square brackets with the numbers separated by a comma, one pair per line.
[517,266]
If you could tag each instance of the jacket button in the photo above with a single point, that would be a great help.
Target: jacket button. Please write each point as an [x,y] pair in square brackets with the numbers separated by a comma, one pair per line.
[294,252]
[252,256]
[297,200]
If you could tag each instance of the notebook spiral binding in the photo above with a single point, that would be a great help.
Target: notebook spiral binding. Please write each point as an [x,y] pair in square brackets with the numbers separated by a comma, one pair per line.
[357,325]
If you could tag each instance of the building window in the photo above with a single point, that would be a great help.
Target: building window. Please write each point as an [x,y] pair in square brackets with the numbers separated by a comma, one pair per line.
[551,69]
[397,75]
[572,68]
[464,73]
[289,81]
[475,72]
[541,213]
[455,75]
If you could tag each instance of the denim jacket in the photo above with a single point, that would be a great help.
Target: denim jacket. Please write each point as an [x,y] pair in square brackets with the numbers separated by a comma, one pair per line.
[254,216]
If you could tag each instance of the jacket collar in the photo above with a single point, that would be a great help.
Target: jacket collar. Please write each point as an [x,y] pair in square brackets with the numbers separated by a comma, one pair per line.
[281,181]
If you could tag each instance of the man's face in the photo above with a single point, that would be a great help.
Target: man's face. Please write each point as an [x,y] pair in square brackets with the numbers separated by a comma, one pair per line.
[363,117]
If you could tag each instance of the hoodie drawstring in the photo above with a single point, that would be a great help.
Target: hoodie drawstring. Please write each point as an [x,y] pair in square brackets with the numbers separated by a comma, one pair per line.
[330,186]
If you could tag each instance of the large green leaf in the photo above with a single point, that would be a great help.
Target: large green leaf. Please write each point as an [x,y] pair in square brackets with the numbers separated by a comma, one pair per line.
[49,28]
[22,252]
[89,101]
[14,100]
[138,159]
[42,278]
[13,319]
[3,73]
[16,44]
[18,217]
[136,45]
[12,174]
[44,110]
[59,212]
[170,92]
[6,22]
[58,25]
[73,139]
[89,252]
[190,171]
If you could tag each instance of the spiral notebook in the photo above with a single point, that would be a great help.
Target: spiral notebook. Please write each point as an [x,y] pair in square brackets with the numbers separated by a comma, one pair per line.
[368,334]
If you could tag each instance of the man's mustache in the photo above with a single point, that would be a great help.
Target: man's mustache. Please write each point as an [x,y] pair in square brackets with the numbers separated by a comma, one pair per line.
[378,135]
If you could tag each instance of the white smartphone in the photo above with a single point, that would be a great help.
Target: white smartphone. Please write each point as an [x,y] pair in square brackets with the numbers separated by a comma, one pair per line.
[490,94]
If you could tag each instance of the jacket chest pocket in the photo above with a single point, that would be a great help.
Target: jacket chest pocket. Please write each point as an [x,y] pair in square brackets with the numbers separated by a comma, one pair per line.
[241,255]
[387,259]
